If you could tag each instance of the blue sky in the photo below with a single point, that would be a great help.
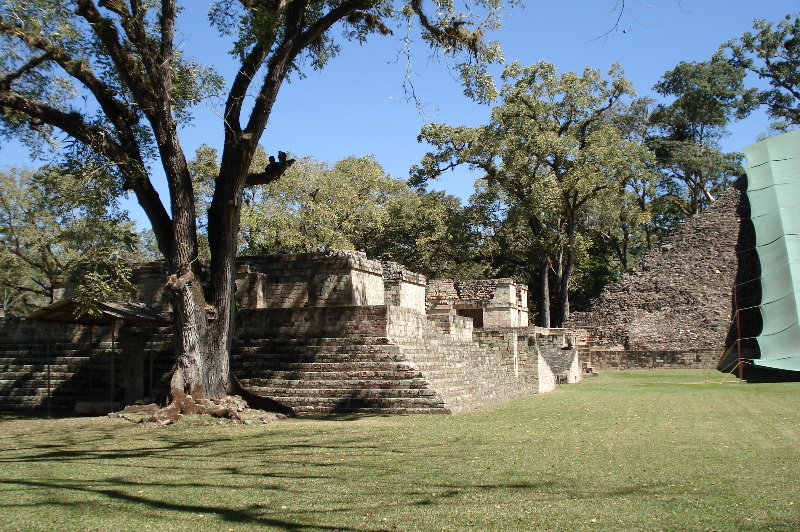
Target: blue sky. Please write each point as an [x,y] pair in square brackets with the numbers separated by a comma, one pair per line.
[355,106]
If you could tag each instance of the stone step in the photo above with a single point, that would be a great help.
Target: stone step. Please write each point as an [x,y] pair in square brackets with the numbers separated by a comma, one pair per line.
[391,410]
[317,341]
[339,366]
[299,355]
[349,384]
[330,374]
[355,402]
[329,394]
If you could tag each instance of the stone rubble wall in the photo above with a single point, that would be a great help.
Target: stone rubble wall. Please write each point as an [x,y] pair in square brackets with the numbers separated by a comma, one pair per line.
[678,300]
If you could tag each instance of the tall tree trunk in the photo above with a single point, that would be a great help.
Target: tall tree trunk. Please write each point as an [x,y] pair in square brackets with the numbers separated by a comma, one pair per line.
[563,291]
[202,367]
[544,292]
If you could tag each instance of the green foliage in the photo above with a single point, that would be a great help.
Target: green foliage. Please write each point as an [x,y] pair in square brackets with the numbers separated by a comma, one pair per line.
[110,76]
[707,97]
[552,155]
[772,52]
[52,224]
[102,281]
[429,232]
[317,206]
[352,204]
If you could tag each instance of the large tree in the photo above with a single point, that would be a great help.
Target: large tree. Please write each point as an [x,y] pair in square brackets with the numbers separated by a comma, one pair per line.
[706,97]
[109,76]
[550,152]
[772,52]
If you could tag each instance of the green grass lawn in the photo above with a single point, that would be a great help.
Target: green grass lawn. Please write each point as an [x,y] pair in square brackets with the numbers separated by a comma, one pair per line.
[658,450]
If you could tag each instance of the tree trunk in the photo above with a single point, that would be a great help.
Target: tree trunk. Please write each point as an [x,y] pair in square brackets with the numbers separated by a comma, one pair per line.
[544,293]
[563,292]
[202,368]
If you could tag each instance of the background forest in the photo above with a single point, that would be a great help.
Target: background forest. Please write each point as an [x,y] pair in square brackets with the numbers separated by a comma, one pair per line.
[577,178]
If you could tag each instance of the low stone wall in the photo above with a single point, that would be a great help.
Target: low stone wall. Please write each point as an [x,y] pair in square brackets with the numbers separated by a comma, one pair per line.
[512,347]
[687,359]
[62,364]
[552,357]
[559,353]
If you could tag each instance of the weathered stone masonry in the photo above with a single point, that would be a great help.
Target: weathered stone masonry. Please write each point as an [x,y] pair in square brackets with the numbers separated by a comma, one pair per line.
[675,309]
[332,332]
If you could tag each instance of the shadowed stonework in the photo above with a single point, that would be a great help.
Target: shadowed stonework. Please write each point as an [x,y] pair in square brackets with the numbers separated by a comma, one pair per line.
[322,332]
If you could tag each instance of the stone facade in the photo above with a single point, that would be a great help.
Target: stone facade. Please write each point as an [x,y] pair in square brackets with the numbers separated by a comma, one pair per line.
[489,302]
[331,332]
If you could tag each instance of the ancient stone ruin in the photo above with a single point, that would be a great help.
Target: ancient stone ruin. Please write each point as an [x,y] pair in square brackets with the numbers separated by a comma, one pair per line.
[489,302]
[675,309]
[321,332]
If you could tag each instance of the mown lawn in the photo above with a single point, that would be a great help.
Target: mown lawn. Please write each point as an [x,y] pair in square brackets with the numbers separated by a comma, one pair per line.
[659,450]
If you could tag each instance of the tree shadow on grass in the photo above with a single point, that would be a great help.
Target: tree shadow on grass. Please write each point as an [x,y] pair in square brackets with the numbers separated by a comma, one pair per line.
[248,515]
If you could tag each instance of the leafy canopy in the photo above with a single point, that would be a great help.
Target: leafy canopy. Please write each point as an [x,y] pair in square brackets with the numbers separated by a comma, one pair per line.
[772,51]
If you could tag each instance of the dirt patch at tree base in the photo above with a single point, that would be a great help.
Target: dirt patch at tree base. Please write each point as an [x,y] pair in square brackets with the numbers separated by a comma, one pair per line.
[186,410]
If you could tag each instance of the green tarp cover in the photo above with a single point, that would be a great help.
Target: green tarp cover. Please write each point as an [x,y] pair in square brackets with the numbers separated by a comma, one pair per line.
[773,188]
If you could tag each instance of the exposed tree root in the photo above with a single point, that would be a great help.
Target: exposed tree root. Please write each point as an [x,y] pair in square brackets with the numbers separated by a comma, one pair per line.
[233,409]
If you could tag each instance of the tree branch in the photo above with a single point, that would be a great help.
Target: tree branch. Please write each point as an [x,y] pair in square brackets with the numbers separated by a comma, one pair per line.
[272,172]
[5,81]
[295,41]
[126,65]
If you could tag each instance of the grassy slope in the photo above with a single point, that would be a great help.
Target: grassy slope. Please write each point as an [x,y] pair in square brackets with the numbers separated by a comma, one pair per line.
[662,450]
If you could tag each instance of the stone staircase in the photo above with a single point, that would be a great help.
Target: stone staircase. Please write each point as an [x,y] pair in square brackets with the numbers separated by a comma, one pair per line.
[468,375]
[336,375]
[376,373]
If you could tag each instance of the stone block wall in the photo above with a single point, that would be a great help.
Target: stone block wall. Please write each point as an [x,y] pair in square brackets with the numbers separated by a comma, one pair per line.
[458,327]
[403,288]
[321,322]
[149,279]
[336,278]
[626,359]
[511,346]
[64,363]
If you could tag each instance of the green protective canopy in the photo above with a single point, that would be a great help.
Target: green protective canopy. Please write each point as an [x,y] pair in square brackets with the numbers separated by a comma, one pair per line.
[773,188]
